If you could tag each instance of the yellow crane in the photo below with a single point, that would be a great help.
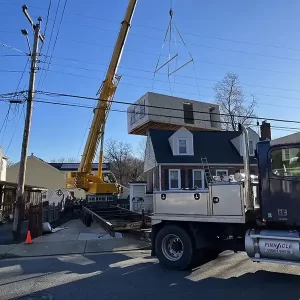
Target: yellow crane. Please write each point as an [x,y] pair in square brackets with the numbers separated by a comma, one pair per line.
[83,177]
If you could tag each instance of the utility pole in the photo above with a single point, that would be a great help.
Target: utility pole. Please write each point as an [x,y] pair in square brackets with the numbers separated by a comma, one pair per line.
[20,196]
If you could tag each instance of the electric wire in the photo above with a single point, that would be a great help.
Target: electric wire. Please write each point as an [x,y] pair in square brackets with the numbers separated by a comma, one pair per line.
[48,48]
[68,104]
[10,107]
[160,107]
[12,48]
[47,20]
[55,41]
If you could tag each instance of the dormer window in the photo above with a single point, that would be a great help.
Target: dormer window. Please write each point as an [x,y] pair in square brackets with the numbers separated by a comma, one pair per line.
[182,143]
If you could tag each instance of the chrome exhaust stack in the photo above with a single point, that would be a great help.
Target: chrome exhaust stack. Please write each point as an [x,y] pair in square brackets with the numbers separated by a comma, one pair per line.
[246,158]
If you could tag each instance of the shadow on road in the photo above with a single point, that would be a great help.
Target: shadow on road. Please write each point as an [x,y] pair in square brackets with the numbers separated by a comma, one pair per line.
[128,276]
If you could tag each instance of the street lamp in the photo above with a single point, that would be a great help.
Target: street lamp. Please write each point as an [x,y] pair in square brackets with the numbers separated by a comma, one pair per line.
[25,32]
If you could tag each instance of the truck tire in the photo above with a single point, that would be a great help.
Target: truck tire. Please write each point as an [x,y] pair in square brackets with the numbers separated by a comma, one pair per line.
[174,248]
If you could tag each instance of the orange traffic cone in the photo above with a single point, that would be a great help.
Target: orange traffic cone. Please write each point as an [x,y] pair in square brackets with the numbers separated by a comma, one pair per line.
[28,238]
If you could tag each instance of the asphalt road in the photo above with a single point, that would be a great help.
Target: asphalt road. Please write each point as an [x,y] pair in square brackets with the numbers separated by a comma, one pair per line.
[136,275]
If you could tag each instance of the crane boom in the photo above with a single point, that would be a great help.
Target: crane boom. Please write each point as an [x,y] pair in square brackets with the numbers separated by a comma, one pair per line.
[83,178]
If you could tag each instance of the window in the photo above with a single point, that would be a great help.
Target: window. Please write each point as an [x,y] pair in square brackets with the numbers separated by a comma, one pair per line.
[251,149]
[132,116]
[142,109]
[286,154]
[188,113]
[286,162]
[174,179]
[221,173]
[182,143]
[198,179]
[211,118]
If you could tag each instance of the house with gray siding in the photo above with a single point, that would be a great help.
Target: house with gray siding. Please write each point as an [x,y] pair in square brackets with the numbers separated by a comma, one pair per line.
[173,157]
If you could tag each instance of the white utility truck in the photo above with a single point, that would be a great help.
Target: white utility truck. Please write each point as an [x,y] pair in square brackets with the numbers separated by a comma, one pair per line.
[186,223]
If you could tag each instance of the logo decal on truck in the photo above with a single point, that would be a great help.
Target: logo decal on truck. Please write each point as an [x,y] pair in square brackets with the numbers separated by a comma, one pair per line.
[279,247]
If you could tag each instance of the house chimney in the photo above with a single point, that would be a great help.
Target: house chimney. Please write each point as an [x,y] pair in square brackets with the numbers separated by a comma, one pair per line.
[265,131]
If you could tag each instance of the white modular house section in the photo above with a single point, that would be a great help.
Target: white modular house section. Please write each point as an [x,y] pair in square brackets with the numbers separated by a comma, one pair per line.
[182,142]
[159,108]
[139,199]
[138,113]
[238,142]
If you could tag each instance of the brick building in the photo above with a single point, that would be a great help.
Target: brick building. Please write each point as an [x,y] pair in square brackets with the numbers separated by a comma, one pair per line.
[173,158]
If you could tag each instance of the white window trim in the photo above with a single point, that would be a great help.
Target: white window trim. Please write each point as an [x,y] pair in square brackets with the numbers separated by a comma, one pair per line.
[187,148]
[284,155]
[179,179]
[202,177]
[220,170]
[251,153]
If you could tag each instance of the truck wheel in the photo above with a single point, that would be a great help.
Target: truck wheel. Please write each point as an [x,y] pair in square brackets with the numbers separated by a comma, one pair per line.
[174,248]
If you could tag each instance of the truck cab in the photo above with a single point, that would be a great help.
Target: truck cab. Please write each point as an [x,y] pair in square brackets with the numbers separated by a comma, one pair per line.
[279,182]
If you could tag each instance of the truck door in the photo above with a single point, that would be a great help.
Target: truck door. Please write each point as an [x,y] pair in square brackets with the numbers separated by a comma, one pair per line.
[283,204]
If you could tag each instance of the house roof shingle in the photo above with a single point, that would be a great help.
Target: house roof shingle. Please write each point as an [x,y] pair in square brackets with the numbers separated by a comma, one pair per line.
[214,145]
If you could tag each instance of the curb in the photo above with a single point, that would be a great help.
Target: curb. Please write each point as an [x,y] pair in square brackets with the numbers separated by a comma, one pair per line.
[10,256]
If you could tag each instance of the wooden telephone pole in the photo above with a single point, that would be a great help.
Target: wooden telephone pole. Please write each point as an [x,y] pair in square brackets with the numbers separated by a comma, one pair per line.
[20,197]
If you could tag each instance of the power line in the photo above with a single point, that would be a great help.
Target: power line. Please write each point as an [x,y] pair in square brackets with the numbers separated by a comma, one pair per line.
[196,45]
[177,83]
[47,20]
[51,34]
[186,33]
[198,61]
[15,130]
[160,107]
[191,34]
[68,104]
[11,71]
[149,71]
[55,41]
[6,119]
[12,55]
[12,48]
[39,100]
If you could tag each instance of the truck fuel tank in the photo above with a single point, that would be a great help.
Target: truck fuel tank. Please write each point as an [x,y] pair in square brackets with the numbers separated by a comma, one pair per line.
[268,245]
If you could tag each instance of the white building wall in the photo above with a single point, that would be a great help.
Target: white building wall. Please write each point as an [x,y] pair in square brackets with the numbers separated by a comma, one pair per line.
[168,109]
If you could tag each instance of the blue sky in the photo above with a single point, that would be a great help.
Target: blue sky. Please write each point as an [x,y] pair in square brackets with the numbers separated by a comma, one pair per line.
[258,40]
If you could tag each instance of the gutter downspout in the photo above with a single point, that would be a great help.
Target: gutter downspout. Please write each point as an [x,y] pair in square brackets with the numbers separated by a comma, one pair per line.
[246,159]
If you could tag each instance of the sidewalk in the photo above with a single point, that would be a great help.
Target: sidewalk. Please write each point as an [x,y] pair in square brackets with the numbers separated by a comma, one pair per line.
[76,238]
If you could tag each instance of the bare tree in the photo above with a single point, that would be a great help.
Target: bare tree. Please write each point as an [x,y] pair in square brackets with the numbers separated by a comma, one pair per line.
[124,164]
[141,149]
[64,160]
[229,96]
